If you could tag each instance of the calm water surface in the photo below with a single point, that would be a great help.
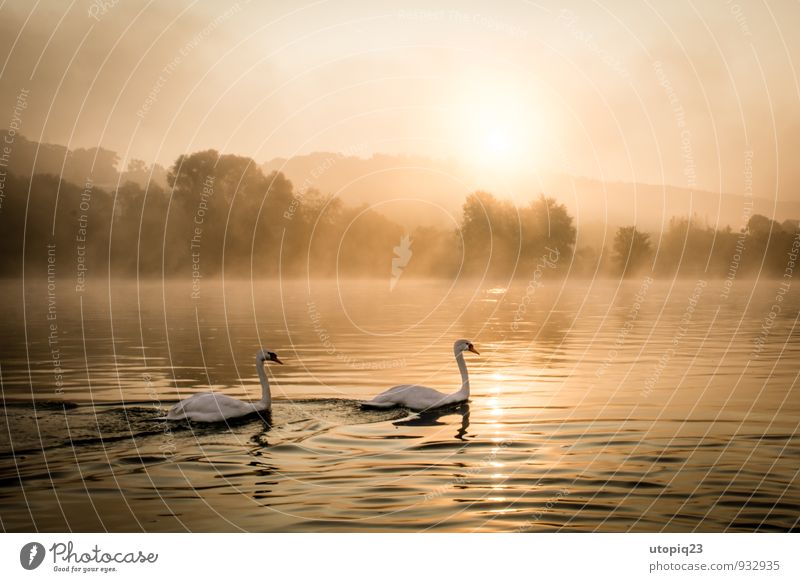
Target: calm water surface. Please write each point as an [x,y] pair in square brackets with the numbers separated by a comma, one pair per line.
[643,406]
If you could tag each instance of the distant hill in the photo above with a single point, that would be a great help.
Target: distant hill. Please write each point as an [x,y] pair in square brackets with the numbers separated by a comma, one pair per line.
[417,190]
[383,179]
[77,165]
[390,182]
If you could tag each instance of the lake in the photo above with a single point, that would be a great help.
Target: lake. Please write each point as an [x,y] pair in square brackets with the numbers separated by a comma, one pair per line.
[597,405]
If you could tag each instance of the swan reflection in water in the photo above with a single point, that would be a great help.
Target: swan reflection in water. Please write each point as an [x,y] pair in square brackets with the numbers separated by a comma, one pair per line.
[432,418]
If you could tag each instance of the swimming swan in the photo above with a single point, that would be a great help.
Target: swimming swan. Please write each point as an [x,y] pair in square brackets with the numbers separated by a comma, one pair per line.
[213,407]
[423,398]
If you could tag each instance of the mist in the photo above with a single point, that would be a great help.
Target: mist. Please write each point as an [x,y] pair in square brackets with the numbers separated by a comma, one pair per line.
[212,214]
[196,140]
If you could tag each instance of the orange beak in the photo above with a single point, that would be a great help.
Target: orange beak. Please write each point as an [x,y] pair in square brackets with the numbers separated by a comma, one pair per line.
[473,350]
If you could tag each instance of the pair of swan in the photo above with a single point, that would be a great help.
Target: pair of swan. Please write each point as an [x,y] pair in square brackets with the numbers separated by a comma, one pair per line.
[212,407]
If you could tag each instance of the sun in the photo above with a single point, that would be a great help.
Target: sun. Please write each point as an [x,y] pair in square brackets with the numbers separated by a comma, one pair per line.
[496,129]
[494,139]
[498,142]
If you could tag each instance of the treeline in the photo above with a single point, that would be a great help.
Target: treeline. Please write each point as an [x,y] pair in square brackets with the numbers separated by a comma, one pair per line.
[218,213]
[222,214]
[688,248]
[26,158]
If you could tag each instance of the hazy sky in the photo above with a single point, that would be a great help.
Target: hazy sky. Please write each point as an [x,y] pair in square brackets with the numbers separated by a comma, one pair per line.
[657,92]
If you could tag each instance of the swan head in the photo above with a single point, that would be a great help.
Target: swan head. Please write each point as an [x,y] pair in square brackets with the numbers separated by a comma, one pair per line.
[267,356]
[464,345]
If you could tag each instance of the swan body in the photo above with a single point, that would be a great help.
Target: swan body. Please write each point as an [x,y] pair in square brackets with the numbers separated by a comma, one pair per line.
[419,398]
[213,407]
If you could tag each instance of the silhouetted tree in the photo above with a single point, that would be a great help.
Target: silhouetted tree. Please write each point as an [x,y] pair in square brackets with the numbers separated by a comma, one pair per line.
[632,249]
[767,244]
[546,224]
[491,232]
[501,239]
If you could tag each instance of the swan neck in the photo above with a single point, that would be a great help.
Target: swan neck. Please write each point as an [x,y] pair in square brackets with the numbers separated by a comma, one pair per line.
[266,396]
[462,367]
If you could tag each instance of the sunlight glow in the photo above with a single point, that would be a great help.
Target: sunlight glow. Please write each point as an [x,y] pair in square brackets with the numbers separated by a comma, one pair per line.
[499,142]
[497,126]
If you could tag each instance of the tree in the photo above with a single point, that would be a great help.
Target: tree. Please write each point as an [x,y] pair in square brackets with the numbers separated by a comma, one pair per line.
[97,164]
[490,230]
[546,223]
[224,206]
[632,249]
[766,241]
[687,248]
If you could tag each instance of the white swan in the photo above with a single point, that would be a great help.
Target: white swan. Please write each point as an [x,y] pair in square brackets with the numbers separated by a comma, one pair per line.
[212,407]
[421,397]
